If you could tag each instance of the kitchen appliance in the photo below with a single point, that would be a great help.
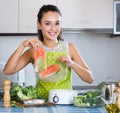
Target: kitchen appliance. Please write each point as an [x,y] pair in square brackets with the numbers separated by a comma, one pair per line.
[62,96]
[108,88]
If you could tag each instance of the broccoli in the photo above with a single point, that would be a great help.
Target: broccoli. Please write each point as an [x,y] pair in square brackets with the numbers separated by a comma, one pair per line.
[80,100]
[18,93]
[30,91]
[13,92]
[21,96]
[97,93]
[88,99]
[89,94]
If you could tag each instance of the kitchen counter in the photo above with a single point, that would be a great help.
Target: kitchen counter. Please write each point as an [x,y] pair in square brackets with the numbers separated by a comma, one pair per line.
[52,109]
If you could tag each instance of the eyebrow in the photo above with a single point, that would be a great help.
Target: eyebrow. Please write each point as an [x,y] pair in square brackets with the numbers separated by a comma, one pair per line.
[50,21]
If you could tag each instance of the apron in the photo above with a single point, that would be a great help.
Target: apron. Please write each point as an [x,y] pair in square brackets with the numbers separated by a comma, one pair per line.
[61,79]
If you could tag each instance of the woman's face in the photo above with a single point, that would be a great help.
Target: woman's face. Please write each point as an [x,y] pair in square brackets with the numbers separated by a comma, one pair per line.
[50,25]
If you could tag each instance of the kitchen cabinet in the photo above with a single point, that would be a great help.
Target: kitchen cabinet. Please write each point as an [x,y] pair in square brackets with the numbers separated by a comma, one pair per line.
[9,16]
[86,13]
[28,10]
[20,16]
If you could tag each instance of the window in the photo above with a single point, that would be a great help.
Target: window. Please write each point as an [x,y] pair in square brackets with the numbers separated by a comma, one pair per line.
[116,17]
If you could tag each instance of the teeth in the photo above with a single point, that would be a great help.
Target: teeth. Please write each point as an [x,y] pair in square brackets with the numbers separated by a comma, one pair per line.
[52,33]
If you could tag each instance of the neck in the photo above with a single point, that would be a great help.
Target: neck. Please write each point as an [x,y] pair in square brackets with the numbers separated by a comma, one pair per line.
[51,44]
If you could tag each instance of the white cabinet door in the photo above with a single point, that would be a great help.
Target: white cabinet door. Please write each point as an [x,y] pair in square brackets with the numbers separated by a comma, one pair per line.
[86,13]
[28,10]
[8,16]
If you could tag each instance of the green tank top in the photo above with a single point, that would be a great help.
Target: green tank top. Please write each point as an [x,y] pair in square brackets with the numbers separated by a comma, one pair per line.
[61,79]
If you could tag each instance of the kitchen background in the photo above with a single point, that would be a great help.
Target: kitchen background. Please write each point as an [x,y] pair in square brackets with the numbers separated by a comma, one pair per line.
[87,24]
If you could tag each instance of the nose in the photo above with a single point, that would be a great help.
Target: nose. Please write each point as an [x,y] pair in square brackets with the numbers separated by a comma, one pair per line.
[53,27]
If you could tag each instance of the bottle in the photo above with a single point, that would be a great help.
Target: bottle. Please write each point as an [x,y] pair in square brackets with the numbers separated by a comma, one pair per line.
[117,95]
[112,108]
[6,97]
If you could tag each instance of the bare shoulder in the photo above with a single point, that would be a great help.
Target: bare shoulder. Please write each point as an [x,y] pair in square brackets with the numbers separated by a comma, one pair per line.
[72,49]
[75,54]
[71,46]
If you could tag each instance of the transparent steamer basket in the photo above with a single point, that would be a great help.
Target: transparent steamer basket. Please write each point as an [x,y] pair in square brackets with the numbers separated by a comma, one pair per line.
[57,76]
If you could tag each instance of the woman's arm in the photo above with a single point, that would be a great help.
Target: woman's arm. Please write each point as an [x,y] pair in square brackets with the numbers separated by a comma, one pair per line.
[19,59]
[78,64]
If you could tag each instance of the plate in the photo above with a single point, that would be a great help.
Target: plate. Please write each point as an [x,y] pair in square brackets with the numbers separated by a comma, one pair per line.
[20,105]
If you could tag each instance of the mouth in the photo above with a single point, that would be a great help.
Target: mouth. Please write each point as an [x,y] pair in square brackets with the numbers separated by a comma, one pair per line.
[52,33]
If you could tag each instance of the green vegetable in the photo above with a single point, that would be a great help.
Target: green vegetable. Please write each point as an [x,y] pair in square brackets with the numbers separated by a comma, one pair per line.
[96,93]
[97,101]
[13,92]
[80,100]
[18,93]
[21,96]
[30,91]
[89,94]
[88,99]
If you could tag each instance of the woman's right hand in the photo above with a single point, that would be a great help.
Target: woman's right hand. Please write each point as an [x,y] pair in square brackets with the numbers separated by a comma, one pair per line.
[32,42]
[14,64]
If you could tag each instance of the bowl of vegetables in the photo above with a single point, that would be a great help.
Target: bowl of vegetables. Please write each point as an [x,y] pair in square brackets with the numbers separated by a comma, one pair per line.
[88,99]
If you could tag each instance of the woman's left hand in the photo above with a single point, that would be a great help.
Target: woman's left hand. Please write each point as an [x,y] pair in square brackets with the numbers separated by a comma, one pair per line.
[66,60]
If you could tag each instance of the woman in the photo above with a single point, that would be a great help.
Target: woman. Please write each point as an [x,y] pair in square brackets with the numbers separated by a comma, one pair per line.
[57,52]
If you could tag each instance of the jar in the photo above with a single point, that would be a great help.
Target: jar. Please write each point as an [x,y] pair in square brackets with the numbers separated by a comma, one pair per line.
[108,87]
[117,95]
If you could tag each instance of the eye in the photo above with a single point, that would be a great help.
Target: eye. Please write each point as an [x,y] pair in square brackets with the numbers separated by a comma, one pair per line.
[57,23]
[47,23]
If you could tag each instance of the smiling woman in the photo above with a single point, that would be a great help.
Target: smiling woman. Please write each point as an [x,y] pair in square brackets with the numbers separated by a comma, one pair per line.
[57,52]
[49,21]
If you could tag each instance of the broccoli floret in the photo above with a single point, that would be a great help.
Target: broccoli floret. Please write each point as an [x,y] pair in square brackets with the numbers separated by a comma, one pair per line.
[96,93]
[96,100]
[89,94]
[21,96]
[30,91]
[89,97]
[13,91]
[80,100]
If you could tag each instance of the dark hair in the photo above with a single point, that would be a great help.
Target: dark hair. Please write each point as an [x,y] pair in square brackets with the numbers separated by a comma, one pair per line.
[44,9]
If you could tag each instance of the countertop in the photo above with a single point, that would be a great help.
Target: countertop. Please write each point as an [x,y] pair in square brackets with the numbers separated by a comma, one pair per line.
[52,109]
